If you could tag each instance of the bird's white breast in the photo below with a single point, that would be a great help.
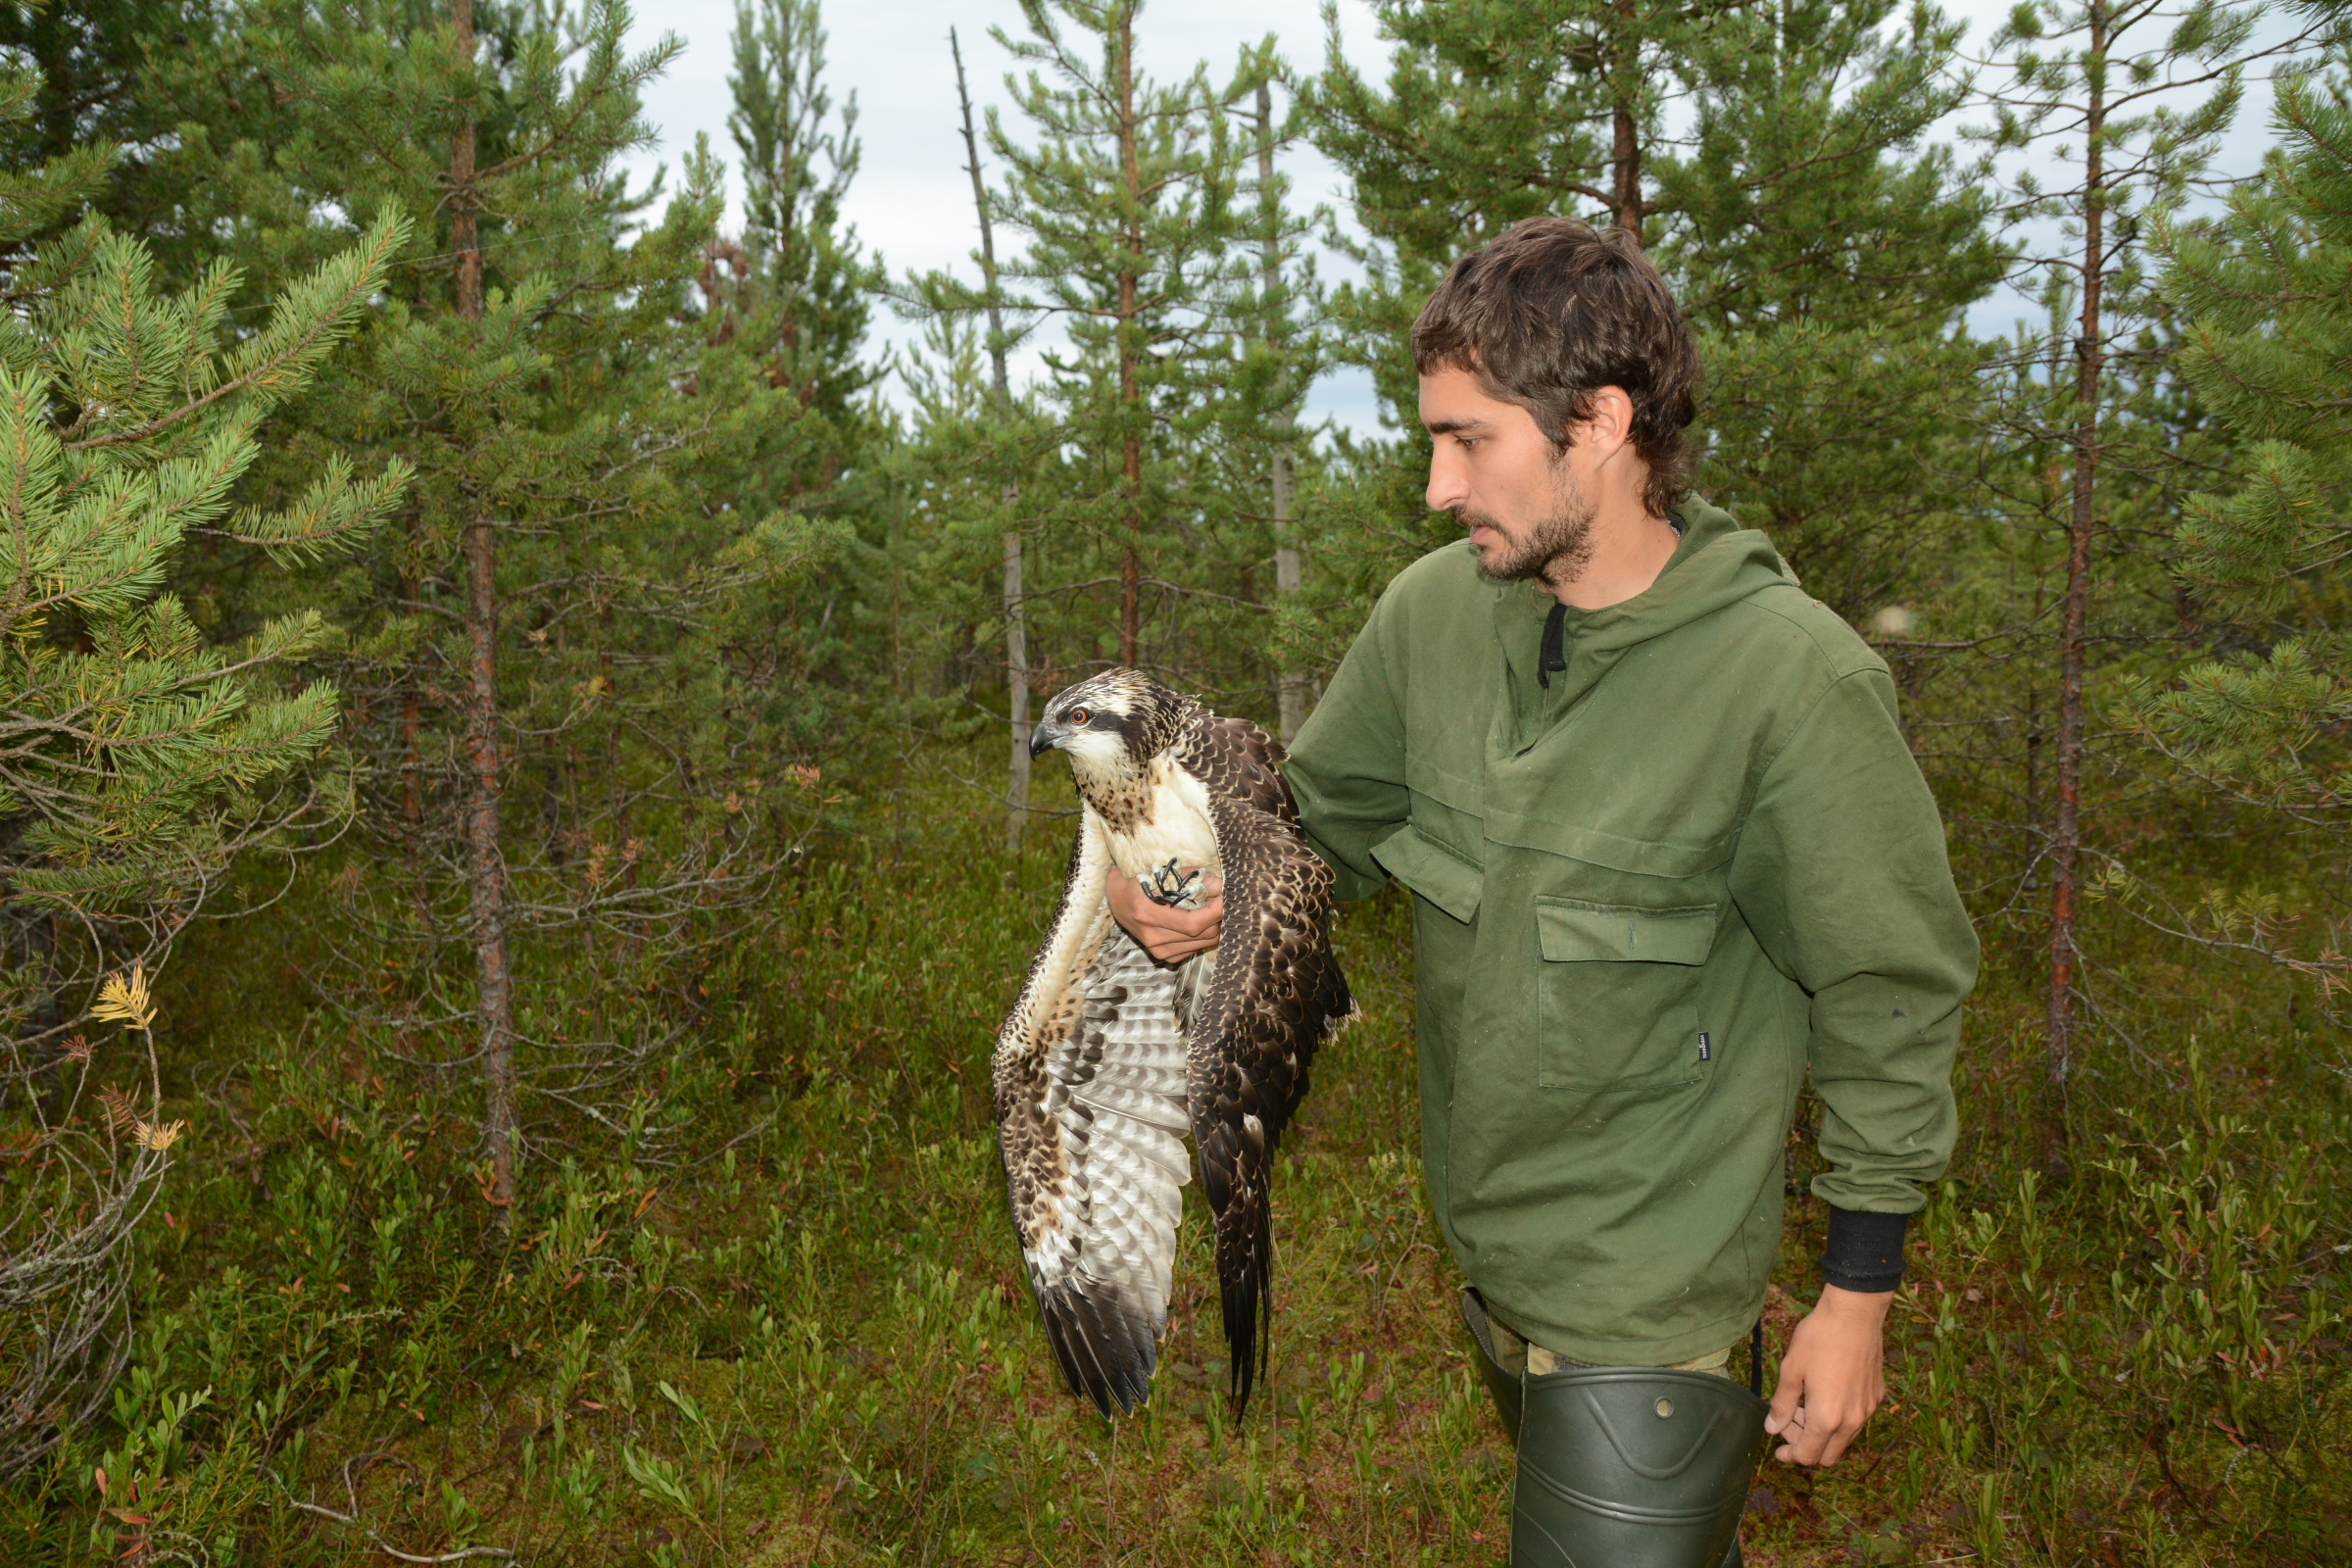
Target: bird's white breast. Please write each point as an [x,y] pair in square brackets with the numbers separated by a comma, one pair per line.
[1178,828]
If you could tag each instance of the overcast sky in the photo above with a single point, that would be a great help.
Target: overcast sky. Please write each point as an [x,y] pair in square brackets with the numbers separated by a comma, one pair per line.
[912,199]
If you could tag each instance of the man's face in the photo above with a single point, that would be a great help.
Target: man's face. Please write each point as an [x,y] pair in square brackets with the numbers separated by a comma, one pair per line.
[1527,514]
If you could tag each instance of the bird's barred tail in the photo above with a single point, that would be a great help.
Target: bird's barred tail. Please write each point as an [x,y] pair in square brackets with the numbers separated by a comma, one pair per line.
[1107,1355]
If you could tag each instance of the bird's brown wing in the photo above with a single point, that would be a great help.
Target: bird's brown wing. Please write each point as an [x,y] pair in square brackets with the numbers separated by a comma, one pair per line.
[1275,993]
[1089,1098]
[1233,759]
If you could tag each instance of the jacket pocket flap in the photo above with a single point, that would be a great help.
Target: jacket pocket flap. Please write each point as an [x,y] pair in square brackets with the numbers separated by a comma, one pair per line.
[1450,884]
[1572,930]
[1610,850]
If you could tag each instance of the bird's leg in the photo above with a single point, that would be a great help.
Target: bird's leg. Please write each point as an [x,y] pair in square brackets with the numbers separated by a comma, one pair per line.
[1169,886]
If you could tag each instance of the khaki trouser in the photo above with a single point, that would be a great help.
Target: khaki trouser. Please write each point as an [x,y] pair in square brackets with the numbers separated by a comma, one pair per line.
[1515,1355]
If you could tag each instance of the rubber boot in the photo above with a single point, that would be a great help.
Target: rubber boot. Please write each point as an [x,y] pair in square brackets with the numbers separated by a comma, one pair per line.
[1502,1385]
[1633,1467]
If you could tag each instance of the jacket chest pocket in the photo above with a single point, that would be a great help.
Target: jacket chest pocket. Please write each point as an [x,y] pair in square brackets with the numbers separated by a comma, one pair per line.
[1618,995]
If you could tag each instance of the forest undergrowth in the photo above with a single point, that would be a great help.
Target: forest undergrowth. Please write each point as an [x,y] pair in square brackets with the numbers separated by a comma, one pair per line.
[778,1318]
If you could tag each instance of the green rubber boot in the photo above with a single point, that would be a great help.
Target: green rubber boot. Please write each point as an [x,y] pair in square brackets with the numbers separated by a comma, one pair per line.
[1633,1467]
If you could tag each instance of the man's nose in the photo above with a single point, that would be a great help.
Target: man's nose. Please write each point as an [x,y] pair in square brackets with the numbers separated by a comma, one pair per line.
[1449,484]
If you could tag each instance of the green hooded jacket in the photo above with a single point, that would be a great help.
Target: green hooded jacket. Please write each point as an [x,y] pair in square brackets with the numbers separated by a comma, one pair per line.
[1650,895]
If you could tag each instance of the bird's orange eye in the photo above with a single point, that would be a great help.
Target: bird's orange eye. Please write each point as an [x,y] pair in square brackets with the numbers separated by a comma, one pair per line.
[1079,715]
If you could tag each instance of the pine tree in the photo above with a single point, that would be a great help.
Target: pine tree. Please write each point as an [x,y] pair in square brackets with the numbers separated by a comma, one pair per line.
[803,265]
[2129,97]
[175,87]
[137,758]
[1494,114]
[1822,248]
[796,308]
[1489,114]
[553,709]
[1001,413]
[1278,357]
[1825,254]
[1159,452]
[2267,323]
[1126,201]
[82,63]
[87,60]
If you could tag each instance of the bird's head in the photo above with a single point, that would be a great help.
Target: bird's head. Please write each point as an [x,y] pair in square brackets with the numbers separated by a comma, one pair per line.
[1111,724]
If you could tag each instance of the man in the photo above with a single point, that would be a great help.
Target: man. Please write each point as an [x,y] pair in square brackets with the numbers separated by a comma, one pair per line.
[1669,853]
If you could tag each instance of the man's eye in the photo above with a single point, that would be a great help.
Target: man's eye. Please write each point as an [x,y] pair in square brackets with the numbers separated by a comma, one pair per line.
[1079,715]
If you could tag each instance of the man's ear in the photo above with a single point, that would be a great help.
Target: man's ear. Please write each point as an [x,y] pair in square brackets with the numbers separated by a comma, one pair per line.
[1607,424]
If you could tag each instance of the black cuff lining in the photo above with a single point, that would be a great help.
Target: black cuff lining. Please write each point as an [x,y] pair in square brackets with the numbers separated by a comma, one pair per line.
[1865,1251]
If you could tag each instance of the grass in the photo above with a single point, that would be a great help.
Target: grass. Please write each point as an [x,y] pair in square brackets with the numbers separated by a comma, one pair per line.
[781,1320]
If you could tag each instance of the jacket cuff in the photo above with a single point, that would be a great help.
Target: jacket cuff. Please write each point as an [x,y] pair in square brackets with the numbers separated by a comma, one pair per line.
[1865,1251]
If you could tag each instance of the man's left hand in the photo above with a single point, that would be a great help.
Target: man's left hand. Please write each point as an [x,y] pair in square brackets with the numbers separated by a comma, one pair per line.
[1836,1367]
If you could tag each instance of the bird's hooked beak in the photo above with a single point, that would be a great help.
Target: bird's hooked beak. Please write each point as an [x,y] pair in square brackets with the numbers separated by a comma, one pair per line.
[1048,734]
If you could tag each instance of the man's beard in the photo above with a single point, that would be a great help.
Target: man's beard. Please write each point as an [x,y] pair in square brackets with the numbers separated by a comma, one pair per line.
[1556,551]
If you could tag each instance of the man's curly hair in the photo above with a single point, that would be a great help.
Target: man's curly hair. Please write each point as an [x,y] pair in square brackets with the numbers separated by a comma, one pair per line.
[1550,313]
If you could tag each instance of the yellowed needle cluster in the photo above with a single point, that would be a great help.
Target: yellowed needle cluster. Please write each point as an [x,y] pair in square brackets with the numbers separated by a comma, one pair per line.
[125,999]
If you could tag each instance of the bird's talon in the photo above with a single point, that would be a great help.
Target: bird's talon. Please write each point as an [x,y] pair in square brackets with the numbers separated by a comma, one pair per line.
[1167,885]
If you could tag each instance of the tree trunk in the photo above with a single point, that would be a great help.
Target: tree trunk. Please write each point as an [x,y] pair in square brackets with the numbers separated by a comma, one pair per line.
[1627,161]
[2075,617]
[411,790]
[1625,151]
[485,866]
[1289,685]
[2036,736]
[617,787]
[1016,631]
[1016,695]
[898,683]
[411,762]
[1131,443]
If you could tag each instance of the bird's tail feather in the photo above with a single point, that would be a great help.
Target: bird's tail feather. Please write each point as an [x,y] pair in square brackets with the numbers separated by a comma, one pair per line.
[1245,1246]
[1104,1357]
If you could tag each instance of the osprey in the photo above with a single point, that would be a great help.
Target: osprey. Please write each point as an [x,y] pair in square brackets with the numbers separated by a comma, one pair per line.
[1110,1056]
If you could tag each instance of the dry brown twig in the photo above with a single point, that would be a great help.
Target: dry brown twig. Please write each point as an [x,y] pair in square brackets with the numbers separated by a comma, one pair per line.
[350,1493]
[71,1199]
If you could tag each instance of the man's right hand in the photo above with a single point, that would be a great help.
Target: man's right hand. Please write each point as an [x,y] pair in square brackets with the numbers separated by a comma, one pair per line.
[1167,934]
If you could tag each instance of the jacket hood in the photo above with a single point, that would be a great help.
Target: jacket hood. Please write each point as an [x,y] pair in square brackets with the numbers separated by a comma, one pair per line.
[1717,564]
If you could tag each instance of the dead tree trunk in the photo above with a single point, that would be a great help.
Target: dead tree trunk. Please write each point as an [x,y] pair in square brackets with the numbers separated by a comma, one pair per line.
[1016,631]
[1289,685]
